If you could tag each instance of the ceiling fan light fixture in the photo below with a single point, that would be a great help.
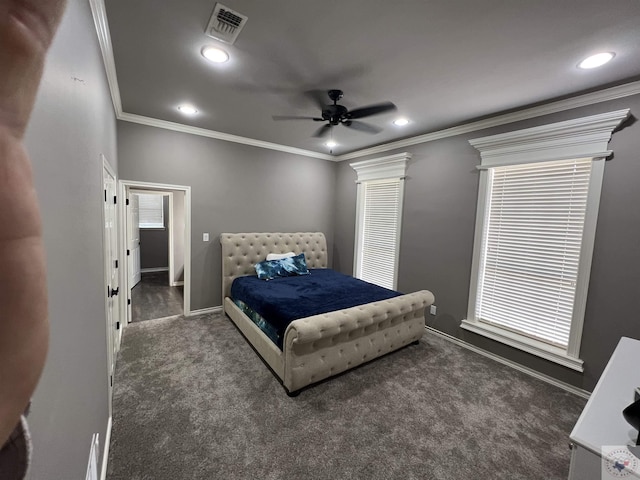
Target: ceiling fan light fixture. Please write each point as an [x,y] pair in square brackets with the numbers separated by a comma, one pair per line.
[187,109]
[596,60]
[400,122]
[215,54]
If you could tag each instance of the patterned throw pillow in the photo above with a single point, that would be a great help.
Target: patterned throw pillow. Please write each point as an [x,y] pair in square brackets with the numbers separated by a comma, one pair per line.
[284,267]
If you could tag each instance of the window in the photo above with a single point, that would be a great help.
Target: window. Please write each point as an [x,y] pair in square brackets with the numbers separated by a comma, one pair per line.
[151,210]
[535,227]
[531,247]
[379,213]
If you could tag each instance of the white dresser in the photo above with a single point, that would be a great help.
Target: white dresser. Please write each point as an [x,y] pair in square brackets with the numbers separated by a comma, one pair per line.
[602,424]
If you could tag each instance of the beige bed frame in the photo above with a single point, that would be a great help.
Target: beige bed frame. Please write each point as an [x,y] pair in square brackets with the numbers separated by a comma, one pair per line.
[320,346]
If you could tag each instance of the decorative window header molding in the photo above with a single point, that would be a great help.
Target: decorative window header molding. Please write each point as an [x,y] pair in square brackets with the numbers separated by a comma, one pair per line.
[393,166]
[585,137]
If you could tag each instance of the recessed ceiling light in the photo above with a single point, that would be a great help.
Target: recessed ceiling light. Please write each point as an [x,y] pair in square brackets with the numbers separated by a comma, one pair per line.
[596,60]
[400,122]
[215,54]
[331,144]
[188,109]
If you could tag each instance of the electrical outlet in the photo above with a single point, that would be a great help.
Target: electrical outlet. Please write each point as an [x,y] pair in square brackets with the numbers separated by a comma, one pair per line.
[205,237]
[432,309]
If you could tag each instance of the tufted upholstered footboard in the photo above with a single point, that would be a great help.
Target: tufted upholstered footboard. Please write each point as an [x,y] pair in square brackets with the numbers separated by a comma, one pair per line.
[323,345]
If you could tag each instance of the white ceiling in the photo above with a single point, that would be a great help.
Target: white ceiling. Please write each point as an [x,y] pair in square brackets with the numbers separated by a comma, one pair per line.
[442,62]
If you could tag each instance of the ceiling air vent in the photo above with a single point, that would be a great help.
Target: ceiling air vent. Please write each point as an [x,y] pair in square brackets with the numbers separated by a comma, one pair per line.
[225,24]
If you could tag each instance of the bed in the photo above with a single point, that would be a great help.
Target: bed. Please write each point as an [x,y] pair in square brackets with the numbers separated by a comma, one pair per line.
[323,345]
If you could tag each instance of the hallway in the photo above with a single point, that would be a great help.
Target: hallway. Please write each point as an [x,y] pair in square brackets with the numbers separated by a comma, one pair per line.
[154,298]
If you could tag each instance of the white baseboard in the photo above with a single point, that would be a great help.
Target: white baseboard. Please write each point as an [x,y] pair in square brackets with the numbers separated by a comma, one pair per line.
[203,311]
[105,455]
[177,284]
[529,371]
[155,269]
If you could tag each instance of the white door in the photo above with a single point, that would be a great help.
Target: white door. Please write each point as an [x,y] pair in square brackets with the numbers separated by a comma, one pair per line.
[112,289]
[134,240]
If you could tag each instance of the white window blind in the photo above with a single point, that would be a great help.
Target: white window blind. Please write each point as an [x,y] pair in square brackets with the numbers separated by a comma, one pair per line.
[151,211]
[531,247]
[381,212]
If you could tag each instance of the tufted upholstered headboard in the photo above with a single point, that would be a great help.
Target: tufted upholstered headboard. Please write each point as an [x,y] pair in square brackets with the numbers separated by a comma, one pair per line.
[241,251]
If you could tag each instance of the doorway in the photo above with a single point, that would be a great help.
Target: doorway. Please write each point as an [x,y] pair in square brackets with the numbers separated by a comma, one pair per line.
[157,249]
[156,244]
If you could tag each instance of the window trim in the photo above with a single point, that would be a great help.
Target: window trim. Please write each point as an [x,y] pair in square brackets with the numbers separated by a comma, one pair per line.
[585,137]
[387,168]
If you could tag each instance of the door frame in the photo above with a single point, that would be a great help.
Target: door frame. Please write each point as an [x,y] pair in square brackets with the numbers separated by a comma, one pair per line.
[123,187]
[172,260]
[112,350]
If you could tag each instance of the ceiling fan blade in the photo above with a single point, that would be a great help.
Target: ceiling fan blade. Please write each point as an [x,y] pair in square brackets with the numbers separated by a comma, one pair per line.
[318,97]
[362,126]
[322,131]
[376,109]
[295,117]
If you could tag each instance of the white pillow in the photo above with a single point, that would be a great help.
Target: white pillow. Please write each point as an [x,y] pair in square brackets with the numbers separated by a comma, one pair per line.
[280,256]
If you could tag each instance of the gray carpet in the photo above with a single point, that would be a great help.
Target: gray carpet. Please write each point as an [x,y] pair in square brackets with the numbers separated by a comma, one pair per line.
[153,298]
[193,401]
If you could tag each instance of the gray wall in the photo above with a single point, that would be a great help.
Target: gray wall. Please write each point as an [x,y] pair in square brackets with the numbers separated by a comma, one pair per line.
[72,124]
[154,242]
[234,188]
[437,239]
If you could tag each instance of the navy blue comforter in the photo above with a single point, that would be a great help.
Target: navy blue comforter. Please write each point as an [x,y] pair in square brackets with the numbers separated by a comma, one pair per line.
[285,299]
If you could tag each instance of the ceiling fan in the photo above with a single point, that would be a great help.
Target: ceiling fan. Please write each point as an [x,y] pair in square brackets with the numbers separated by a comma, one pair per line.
[339,115]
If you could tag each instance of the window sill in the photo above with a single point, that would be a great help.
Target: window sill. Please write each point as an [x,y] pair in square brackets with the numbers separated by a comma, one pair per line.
[524,343]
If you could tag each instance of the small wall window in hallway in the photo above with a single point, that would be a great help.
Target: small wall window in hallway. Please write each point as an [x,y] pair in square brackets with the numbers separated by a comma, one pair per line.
[150,210]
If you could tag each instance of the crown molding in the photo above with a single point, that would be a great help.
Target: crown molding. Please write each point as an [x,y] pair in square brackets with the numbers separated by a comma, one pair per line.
[104,39]
[203,132]
[586,99]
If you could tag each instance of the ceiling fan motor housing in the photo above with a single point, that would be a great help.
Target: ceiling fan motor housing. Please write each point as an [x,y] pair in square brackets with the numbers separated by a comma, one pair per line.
[334,113]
